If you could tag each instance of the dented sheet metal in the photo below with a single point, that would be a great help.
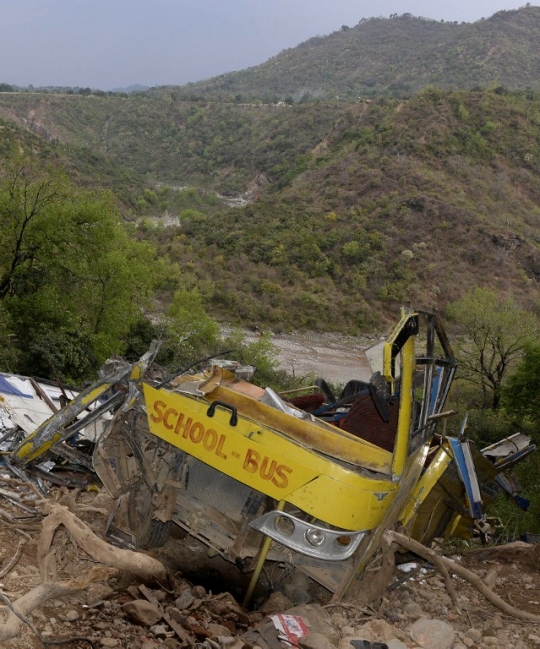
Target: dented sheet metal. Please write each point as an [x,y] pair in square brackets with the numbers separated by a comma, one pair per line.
[118,386]
[26,403]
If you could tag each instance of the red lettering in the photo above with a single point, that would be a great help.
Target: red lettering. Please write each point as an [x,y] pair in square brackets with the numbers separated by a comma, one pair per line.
[158,408]
[280,479]
[251,463]
[196,432]
[210,439]
[180,425]
[219,449]
[169,412]
[267,472]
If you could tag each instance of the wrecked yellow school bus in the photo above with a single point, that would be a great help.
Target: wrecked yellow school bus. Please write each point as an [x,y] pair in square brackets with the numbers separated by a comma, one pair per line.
[258,479]
[307,483]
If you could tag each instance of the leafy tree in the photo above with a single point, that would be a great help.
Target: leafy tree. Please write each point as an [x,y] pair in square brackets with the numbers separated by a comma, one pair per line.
[189,334]
[27,201]
[494,333]
[72,282]
[262,354]
[521,394]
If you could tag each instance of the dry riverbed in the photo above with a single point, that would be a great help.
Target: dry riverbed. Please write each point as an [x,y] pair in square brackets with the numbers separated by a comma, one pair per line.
[334,357]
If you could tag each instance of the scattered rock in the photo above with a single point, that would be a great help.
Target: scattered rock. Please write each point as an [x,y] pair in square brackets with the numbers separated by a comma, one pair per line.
[491,578]
[142,612]
[219,630]
[379,631]
[199,592]
[97,593]
[159,630]
[432,634]
[315,641]
[474,634]
[276,603]
[149,644]
[394,643]
[171,643]
[412,609]
[72,616]
[185,600]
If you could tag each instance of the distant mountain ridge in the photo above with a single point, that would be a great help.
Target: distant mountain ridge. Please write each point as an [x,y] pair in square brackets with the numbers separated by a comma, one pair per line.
[131,89]
[395,56]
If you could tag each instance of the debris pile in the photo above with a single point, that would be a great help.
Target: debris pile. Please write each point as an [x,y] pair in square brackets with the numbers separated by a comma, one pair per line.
[91,604]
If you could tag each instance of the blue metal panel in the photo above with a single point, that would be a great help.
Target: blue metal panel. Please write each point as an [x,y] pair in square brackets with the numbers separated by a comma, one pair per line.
[468,476]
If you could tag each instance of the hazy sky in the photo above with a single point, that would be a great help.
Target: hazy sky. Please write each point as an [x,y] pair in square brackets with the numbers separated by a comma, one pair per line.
[116,43]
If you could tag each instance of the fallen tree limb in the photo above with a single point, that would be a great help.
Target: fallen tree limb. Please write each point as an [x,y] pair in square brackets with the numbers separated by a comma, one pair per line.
[34,598]
[69,499]
[390,536]
[13,560]
[452,566]
[141,564]
[7,516]
[177,628]
[515,545]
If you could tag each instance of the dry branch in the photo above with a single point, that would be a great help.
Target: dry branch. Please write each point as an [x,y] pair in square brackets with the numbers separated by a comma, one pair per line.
[13,560]
[7,516]
[414,546]
[452,566]
[515,545]
[141,564]
[34,598]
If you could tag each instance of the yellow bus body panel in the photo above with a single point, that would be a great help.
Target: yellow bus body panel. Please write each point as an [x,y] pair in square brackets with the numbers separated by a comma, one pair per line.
[269,462]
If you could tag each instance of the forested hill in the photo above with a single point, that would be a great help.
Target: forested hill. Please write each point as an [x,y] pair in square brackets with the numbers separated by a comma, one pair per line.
[395,56]
[354,208]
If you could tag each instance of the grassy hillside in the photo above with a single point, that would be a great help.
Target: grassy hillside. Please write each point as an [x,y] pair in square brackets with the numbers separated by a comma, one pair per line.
[397,56]
[355,208]
[400,201]
[171,141]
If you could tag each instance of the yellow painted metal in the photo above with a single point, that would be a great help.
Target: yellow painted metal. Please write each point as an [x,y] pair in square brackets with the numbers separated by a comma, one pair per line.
[182,421]
[37,444]
[431,512]
[260,562]
[95,394]
[342,505]
[310,433]
[427,482]
[269,462]
[405,408]
[387,351]
[392,515]
[457,523]
[28,452]
[326,472]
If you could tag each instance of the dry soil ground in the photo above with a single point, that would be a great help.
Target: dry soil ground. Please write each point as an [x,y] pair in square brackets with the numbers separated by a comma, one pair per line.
[99,618]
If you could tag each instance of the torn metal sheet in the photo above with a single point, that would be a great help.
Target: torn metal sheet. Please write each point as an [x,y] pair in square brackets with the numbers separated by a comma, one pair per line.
[27,404]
